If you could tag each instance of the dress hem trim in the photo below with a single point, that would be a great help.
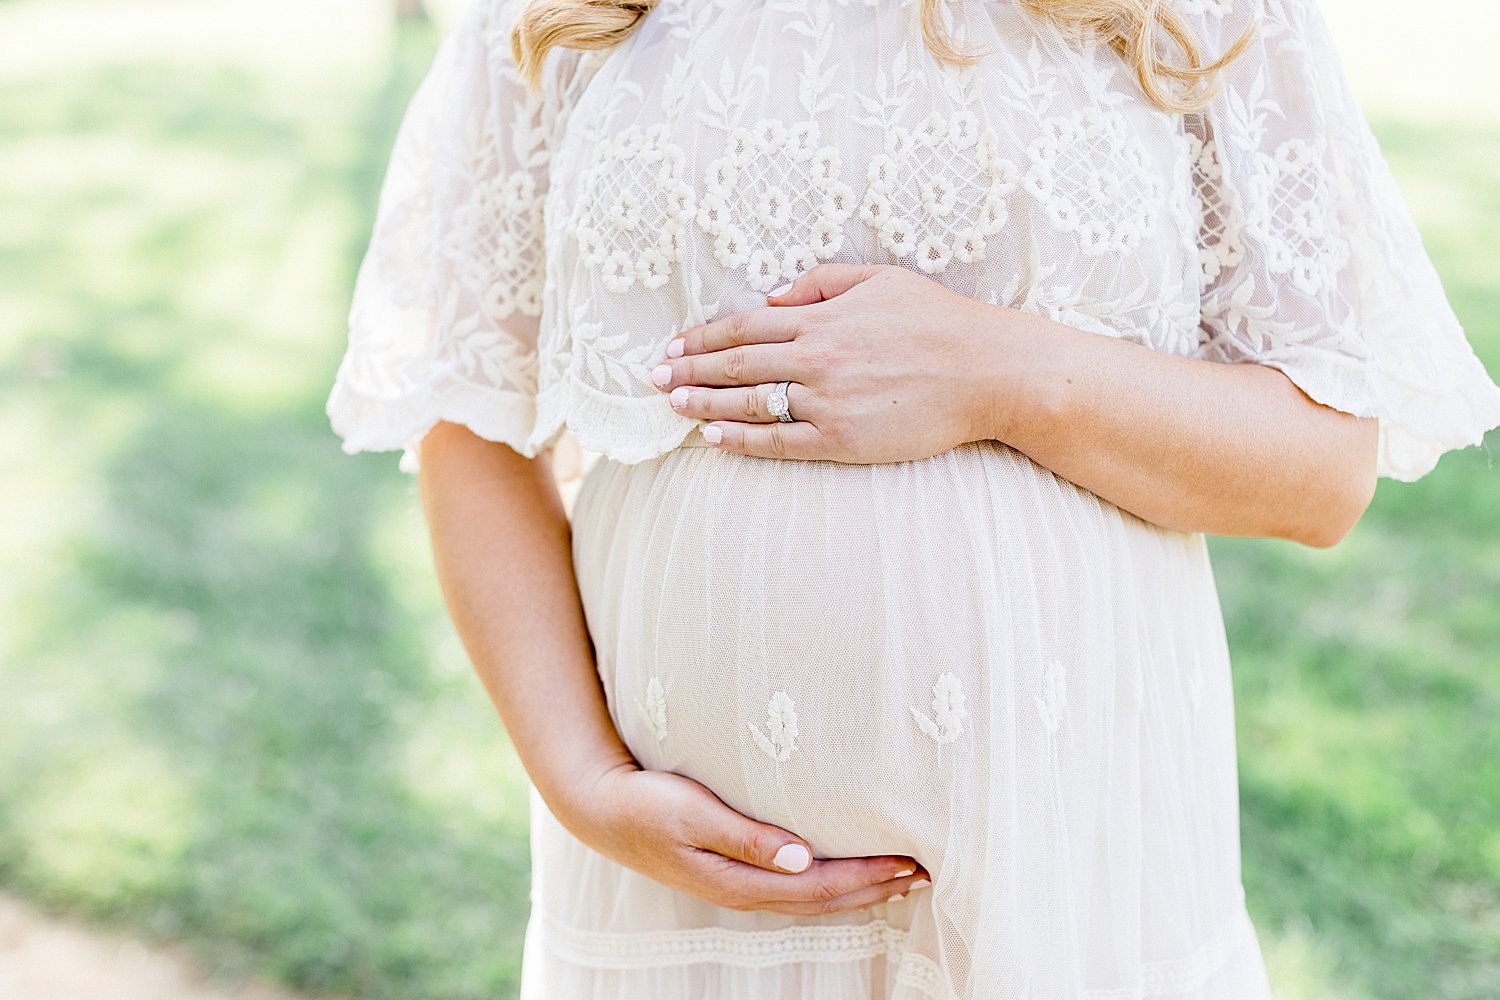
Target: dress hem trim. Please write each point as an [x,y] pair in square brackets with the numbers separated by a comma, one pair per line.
[855,942]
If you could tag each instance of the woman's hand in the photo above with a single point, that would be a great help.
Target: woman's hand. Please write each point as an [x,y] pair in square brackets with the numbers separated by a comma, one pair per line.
[679,833]
[887,365]
[884,373]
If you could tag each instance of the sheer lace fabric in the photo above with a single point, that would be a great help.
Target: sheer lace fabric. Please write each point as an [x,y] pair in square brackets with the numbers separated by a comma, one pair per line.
[726,146]
[964,658]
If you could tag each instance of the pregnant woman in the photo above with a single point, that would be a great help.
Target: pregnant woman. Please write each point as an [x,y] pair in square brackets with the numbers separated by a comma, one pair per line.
[919,344]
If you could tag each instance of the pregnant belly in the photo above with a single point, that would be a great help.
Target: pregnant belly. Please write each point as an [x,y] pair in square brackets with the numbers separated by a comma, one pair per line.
[859,653]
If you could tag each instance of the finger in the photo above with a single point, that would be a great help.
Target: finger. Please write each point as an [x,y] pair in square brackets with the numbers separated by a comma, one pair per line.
[828,885]
[872,878]
[740,838]
[744,886]
[749,326]
[743,365]
[777,439]
[823,281]
[889,891]
[749,403]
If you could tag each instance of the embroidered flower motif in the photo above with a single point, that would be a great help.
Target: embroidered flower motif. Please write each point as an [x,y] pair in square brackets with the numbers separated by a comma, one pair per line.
[616,357]
[1054,698]
[774,202]
[1220,220]
[632,218]
[654,708]
[780,737]
[1092,179]
[946,722]
[482,352]
[1296,222]
[915,189]
[496,237]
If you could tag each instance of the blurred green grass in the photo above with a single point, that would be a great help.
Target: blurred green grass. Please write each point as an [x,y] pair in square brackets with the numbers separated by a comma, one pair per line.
[236,714]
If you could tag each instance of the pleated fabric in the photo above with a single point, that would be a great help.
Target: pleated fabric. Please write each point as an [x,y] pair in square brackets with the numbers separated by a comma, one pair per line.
[965,659]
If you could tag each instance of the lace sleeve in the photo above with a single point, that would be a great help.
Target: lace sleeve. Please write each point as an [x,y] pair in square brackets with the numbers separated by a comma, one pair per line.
[444,318]
[1311,261]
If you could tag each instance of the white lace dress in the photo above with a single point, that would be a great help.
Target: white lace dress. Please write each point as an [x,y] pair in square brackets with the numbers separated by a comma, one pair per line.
[965,658]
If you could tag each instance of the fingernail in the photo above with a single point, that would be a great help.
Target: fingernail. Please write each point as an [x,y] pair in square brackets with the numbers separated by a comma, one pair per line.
[780,290]
[905,872]
[713,435]
[793,857]
[661,374]
[899,895]
[675,348]
[920,883]
[679,396]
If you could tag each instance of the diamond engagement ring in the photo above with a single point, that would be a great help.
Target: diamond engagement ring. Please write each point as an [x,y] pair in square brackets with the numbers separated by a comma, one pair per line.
[777,403]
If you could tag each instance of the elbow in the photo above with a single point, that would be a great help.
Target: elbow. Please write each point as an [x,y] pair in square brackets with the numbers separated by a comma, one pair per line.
[1334,524]
[1343,485]
[1339,509]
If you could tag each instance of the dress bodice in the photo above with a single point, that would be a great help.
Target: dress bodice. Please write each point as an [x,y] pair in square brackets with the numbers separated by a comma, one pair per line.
[536,250]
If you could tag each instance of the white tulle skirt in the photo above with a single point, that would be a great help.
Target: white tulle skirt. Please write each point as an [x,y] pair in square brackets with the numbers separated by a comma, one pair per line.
[965,659]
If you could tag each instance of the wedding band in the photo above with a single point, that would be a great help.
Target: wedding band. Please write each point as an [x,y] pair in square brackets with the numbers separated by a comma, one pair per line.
[777,403]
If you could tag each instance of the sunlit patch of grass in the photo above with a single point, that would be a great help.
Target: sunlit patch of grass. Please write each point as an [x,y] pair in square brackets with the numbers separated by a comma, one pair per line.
[1369,703]
[1302,966]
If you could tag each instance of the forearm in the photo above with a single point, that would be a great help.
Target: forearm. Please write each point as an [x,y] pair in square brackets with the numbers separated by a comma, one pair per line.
[1189,444]
[502,552]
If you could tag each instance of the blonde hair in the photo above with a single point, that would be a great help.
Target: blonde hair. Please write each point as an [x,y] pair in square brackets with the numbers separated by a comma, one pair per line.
[1133,28]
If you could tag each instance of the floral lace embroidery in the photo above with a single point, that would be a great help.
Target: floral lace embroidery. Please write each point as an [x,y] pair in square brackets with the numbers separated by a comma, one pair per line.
[946,722]
[654,708]
[1219,220]
[780,737]
[633,216]
[775,187]
[467,304]
[1296,220]
[611,357]
[1093,179]
[1054,698]
[503,218]
[937,191]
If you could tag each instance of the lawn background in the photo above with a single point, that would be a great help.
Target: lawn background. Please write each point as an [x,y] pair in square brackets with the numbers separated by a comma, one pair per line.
[234,711]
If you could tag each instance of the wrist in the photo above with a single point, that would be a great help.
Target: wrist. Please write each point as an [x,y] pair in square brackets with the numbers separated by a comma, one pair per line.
[1020,387]
[578,797]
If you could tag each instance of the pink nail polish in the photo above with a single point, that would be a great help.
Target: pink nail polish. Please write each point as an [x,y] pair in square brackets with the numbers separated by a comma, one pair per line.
[779,290]
[661,374]
[792,858]
[920,883]
[675,348]
[899,895]
[712,434]
[904,872]
[679,396]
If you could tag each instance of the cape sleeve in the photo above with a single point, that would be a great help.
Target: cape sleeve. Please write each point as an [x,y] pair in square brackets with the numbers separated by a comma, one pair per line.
[444,319]
[1312,263]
